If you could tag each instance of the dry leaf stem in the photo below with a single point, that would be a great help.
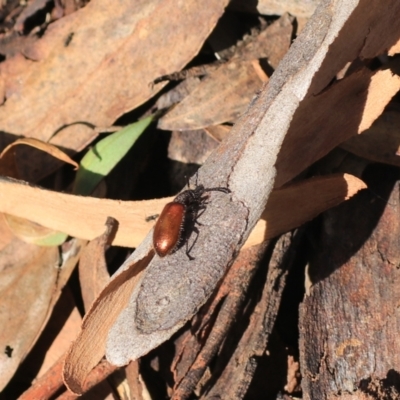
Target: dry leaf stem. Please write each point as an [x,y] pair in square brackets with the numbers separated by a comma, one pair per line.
[51,382]
[48,384]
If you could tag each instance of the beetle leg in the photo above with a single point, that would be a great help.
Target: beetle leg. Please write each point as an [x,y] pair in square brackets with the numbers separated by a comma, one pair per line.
[188,250]
[199,214]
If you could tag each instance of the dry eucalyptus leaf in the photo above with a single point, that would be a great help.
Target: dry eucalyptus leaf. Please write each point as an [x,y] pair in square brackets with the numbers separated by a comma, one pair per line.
[79,216]
[221,96]
[293,205]
[325,120]
[177,93]
[84,217]
[6,236]
[395,49]
[96,64]
[225,93]
[379,143]
[31,283]
[28,279]
[46,147]
[89,348]
[25,229]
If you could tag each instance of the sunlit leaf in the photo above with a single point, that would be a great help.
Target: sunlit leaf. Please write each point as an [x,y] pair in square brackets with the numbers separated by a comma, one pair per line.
[105,155]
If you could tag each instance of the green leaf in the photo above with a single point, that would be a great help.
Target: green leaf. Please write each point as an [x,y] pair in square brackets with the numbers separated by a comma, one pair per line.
[105,155]
[54,239]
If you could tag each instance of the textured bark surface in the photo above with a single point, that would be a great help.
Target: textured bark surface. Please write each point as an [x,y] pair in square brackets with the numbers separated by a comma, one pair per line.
[198,346]
[237,374]
[350,321]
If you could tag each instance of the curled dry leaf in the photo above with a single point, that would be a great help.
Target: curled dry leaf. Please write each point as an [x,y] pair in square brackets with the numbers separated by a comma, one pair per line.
[28,231]
[89,348]
[291,206]
[46,147]
[84,217]
[25,229]
[97,383]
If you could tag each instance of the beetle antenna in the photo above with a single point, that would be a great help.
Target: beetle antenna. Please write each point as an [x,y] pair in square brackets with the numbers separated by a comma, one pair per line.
[219,189]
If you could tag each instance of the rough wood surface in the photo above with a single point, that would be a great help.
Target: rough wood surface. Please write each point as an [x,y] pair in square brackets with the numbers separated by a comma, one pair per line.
[238,373]
[202,343]
[350,321]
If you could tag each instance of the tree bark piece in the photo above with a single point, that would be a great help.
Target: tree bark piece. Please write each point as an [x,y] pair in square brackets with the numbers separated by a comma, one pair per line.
[47,385]
[238,374]
[350,321]
[232,293]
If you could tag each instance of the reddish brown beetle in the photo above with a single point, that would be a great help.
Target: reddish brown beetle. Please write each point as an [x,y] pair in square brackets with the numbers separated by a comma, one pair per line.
[178,218]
